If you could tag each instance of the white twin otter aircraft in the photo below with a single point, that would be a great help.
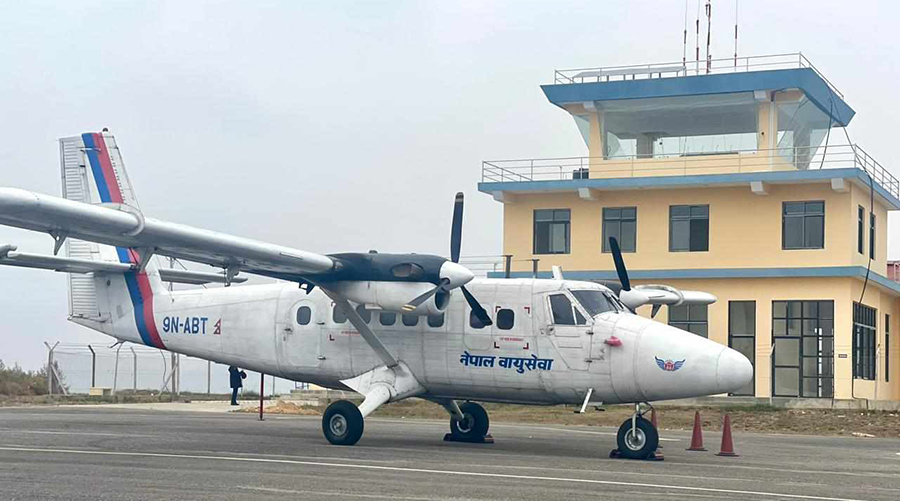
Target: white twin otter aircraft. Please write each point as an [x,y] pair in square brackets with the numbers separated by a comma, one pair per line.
[389,326]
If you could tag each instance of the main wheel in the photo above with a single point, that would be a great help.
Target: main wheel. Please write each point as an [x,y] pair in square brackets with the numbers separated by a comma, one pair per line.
[342,423]
[639,444]
[473,426]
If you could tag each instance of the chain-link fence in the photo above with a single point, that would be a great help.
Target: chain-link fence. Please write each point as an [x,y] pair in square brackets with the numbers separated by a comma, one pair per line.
[122,367]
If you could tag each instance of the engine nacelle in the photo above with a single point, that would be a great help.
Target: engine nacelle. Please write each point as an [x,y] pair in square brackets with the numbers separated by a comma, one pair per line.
[392,296]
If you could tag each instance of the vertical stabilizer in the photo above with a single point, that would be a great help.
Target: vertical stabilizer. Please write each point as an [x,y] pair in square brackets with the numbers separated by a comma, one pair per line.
[93,172]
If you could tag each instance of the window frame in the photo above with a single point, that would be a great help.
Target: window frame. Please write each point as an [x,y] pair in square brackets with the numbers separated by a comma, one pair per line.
[690,218]
[864,339]
[861,230]
[802,325]
[567,225]
[887,348]
[750,334]
[689,322]
[604,219]
[871,235]
[804,217]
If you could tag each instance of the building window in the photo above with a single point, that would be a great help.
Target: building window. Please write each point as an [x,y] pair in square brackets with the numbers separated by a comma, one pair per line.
[860,229]
[863,341]
[505,319]
[803,225]
[871,236]
[803,333]
[387,318]
[621,223]
[742,336]
[887,348]
[551,231]
[692,318]
[304,314]
[436,321]
[689,228]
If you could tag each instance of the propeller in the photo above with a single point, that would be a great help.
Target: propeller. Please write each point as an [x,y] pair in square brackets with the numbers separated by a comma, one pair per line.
[452,273]
[631,298]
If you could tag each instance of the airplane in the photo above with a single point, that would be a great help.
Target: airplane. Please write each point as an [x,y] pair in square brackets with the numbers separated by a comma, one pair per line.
[388,326]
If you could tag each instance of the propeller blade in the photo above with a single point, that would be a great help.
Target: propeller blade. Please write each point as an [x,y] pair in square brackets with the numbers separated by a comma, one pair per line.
[456,228]
[620,263]
[412,305]
[476,307]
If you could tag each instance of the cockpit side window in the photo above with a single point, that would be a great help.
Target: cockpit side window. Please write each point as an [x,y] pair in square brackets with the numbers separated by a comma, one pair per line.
[561,308]
[594,301]
[579,318]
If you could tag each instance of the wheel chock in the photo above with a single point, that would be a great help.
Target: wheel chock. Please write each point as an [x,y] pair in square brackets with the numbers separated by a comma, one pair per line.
[487,439]
[656,456]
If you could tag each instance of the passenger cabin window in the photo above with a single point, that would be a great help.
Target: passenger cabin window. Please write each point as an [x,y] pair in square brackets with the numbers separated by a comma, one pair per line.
[410,320]
[594,301]
[436,321]
[803,225]
[505,319]
[304,315]
[387,318]
[689,228]
[364,313]
[620,222]
[551,231]
[337,315]
[474,321]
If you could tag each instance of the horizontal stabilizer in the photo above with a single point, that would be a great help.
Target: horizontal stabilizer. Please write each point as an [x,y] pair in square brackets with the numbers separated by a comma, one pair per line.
[9,257]
[195,277]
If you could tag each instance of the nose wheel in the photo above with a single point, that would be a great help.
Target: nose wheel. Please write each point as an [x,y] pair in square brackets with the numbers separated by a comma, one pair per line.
[637,438]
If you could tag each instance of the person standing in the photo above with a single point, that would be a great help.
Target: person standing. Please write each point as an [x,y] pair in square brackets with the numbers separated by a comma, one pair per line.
[236,375]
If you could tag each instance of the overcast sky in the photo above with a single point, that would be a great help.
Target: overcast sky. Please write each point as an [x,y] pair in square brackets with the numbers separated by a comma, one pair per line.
[337,126]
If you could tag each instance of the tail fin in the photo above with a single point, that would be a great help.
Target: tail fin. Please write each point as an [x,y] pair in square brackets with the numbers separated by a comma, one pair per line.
[93,172]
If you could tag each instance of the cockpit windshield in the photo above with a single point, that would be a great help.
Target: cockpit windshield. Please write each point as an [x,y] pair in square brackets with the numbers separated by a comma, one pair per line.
[596,302]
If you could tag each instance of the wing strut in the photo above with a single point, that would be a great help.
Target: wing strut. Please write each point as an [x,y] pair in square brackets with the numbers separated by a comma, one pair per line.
[377,346]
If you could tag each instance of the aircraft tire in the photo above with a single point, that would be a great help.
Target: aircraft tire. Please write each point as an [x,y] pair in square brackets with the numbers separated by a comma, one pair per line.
[474,426]
[342,423]
[641,448]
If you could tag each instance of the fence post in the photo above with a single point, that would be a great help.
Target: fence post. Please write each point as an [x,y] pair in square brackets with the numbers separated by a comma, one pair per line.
[50,371]
[116,371]
[262,381]
[508,263]
[135,368]
[208,377]
[93,366]
[534,268]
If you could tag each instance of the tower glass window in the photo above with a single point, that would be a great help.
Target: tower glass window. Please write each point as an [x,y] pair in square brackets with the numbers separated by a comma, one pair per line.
[551,231]
[621,223]
[689,228]
[803,225]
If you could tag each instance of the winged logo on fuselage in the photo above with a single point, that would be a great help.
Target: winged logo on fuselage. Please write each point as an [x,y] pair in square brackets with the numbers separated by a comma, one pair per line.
[669,365]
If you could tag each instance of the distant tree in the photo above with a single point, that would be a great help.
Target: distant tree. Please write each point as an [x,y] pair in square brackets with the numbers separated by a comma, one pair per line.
[15,381]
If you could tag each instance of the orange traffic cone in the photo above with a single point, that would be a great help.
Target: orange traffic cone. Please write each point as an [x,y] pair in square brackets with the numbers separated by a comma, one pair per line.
[697,436]
[727,448]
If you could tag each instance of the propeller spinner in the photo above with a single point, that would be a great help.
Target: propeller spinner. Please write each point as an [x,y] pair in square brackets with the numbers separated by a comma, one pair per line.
[452,274]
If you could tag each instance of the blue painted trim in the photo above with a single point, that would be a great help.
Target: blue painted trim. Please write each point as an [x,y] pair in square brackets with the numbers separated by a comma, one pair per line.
[690,181]
[725,273]
[805,79]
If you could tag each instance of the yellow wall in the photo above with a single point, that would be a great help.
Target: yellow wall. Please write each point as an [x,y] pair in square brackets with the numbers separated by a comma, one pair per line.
[745,229]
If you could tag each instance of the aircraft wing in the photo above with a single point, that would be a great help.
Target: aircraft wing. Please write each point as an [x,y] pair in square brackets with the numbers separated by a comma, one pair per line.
[124,226]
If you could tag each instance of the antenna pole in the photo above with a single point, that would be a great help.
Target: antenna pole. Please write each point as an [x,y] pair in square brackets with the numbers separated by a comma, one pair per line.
[708,33]
[684,50]
[697,58]
[735,31]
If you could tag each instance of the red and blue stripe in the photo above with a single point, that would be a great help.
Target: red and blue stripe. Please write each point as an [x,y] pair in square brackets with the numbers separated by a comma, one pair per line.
[138,282]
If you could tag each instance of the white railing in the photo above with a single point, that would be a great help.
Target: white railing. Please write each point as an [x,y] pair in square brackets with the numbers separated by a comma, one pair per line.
[688,68]
[740,161]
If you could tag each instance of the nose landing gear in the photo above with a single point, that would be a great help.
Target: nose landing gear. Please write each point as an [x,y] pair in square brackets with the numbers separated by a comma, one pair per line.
[637,438]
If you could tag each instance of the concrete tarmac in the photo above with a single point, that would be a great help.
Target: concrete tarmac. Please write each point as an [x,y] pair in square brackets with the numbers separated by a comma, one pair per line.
[72,453]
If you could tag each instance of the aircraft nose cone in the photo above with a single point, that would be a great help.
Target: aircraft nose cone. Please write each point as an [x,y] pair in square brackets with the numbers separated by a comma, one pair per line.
[733,371]
[14,200]
[456,273]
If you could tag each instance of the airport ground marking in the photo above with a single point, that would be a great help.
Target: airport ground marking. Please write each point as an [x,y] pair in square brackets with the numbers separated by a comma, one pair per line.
[421,470]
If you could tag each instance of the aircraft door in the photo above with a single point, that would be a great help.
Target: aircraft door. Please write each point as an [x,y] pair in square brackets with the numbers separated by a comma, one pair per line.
[566,326]
[300,335]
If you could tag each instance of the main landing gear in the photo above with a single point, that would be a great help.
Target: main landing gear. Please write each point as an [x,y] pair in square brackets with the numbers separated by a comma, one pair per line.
[637,438]
[472,427]
[343,423]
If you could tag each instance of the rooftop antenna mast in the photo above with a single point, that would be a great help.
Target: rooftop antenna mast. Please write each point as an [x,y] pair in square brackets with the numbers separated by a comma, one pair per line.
[697,58]
[708,33]
[735,31]
[684,50]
